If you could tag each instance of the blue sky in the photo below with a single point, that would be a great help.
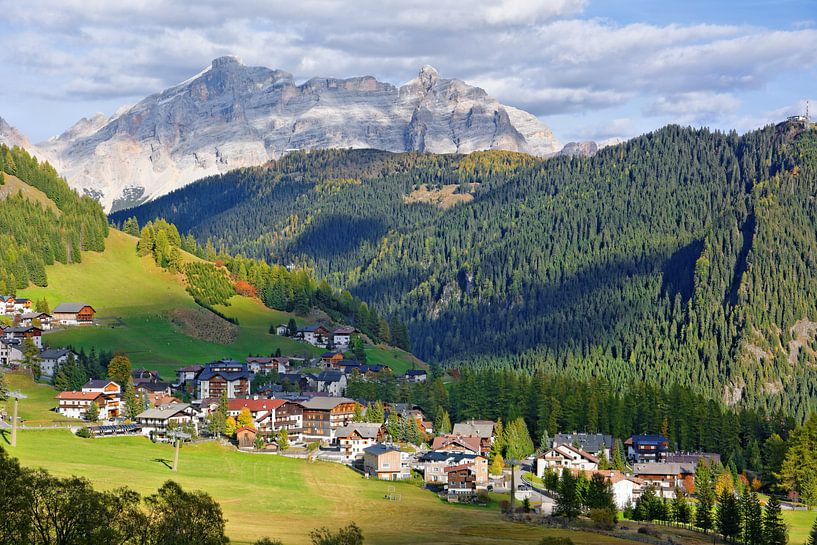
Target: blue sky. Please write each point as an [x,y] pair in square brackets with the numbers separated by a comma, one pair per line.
[590,69]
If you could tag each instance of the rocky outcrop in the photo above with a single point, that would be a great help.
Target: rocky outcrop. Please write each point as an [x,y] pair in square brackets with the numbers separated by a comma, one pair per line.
[12,136]
[231,115]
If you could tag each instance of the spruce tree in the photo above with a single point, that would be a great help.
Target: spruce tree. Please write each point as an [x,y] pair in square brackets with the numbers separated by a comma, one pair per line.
[774,529]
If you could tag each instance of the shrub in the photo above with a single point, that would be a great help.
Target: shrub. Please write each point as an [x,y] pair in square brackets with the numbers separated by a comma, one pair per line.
[604,519]
[84,433]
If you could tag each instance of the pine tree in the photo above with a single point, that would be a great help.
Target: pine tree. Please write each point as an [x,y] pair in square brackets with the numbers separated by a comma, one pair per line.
[497,464]
[752,517]
[728,516]
[92,413]
[774,529]
[812,538]
[358,416]
[282,440]
[442,422]
[599,494]
[568,503]
[133,405]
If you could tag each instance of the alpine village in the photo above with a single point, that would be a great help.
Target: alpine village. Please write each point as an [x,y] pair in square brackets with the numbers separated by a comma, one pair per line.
[402,323]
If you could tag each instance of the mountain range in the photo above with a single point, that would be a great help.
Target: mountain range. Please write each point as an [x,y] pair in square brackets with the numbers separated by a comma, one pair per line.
[231,115]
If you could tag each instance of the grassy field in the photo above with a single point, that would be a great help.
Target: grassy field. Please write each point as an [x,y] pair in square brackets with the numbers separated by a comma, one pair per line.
[37,407]
[134,298]
[800,524]
[280,497]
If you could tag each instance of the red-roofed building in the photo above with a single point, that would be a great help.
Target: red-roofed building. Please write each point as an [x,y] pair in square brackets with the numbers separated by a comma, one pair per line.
[75,404]
[262,411]
[457,443]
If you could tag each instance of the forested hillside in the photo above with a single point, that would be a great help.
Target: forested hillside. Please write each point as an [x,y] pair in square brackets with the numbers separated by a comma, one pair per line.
[33,233]
[683,256]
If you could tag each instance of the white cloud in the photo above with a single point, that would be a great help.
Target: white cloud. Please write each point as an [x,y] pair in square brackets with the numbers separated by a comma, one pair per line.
[541,55]
[695,106]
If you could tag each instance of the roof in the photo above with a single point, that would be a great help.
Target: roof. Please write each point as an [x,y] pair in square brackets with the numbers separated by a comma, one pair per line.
[246,428]
[255,405]
[324,403]
[32,315]
[78,395]
[367,430]
[663,468]
[163,412]
[261,359]
[416,372]
[467,465]
[344,330]
[151,385]
[379,449]
[331,376]
[480,428]
[212,369]
[591,442]
[71,307]
[436,456]
[54,353]
[327,355]
[580,452]
[190,369]
[470,442]
[96,383]
[312,328]
[648,439]
[612,475]
[21,329]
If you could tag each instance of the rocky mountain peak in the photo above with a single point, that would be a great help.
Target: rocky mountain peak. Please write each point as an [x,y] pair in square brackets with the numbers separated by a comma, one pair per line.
[231,115]
[225,62]
[428,76]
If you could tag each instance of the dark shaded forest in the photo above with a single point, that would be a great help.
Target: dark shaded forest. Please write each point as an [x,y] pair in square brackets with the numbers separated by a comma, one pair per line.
[680,257]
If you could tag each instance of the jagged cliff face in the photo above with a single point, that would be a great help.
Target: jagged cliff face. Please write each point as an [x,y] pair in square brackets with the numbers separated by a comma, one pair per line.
[231,115]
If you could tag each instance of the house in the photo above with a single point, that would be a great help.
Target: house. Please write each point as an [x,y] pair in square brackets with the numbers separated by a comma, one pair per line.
[25,332]
[332,382]
[263,412]
[597,444]
[228,377]
[322,416]
[342,336]
[565,456]
[626,488]
[187,374]
[157,399]
[457,443]
[106,394]
[694,457]
[148,386]
[462,478]
[74,314]
[290,416]
[665,476]
[157,420]
[647,448]
[11,352]
[282,330]
[22,305]
[76,404]
[484,429]
[331,359]
[434,465]
[36,319]
[415,375]
[384,462]
[261,364]
[245,436]
[316,335]
[51,359]
[7,304]
[355,437]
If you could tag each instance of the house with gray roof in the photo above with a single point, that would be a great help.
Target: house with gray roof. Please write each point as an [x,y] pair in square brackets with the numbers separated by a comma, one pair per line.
[593,443]
[74,313]
[155,421]
[51,359]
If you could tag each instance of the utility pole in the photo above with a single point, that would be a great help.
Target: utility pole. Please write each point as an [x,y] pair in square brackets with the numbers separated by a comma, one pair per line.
[14,425]
[176,456]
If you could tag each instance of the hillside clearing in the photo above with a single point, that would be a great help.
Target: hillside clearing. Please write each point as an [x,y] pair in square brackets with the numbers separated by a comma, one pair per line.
[14,185]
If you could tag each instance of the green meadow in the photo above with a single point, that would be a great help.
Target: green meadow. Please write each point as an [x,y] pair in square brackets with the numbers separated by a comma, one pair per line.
[134,300]
[264,494]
